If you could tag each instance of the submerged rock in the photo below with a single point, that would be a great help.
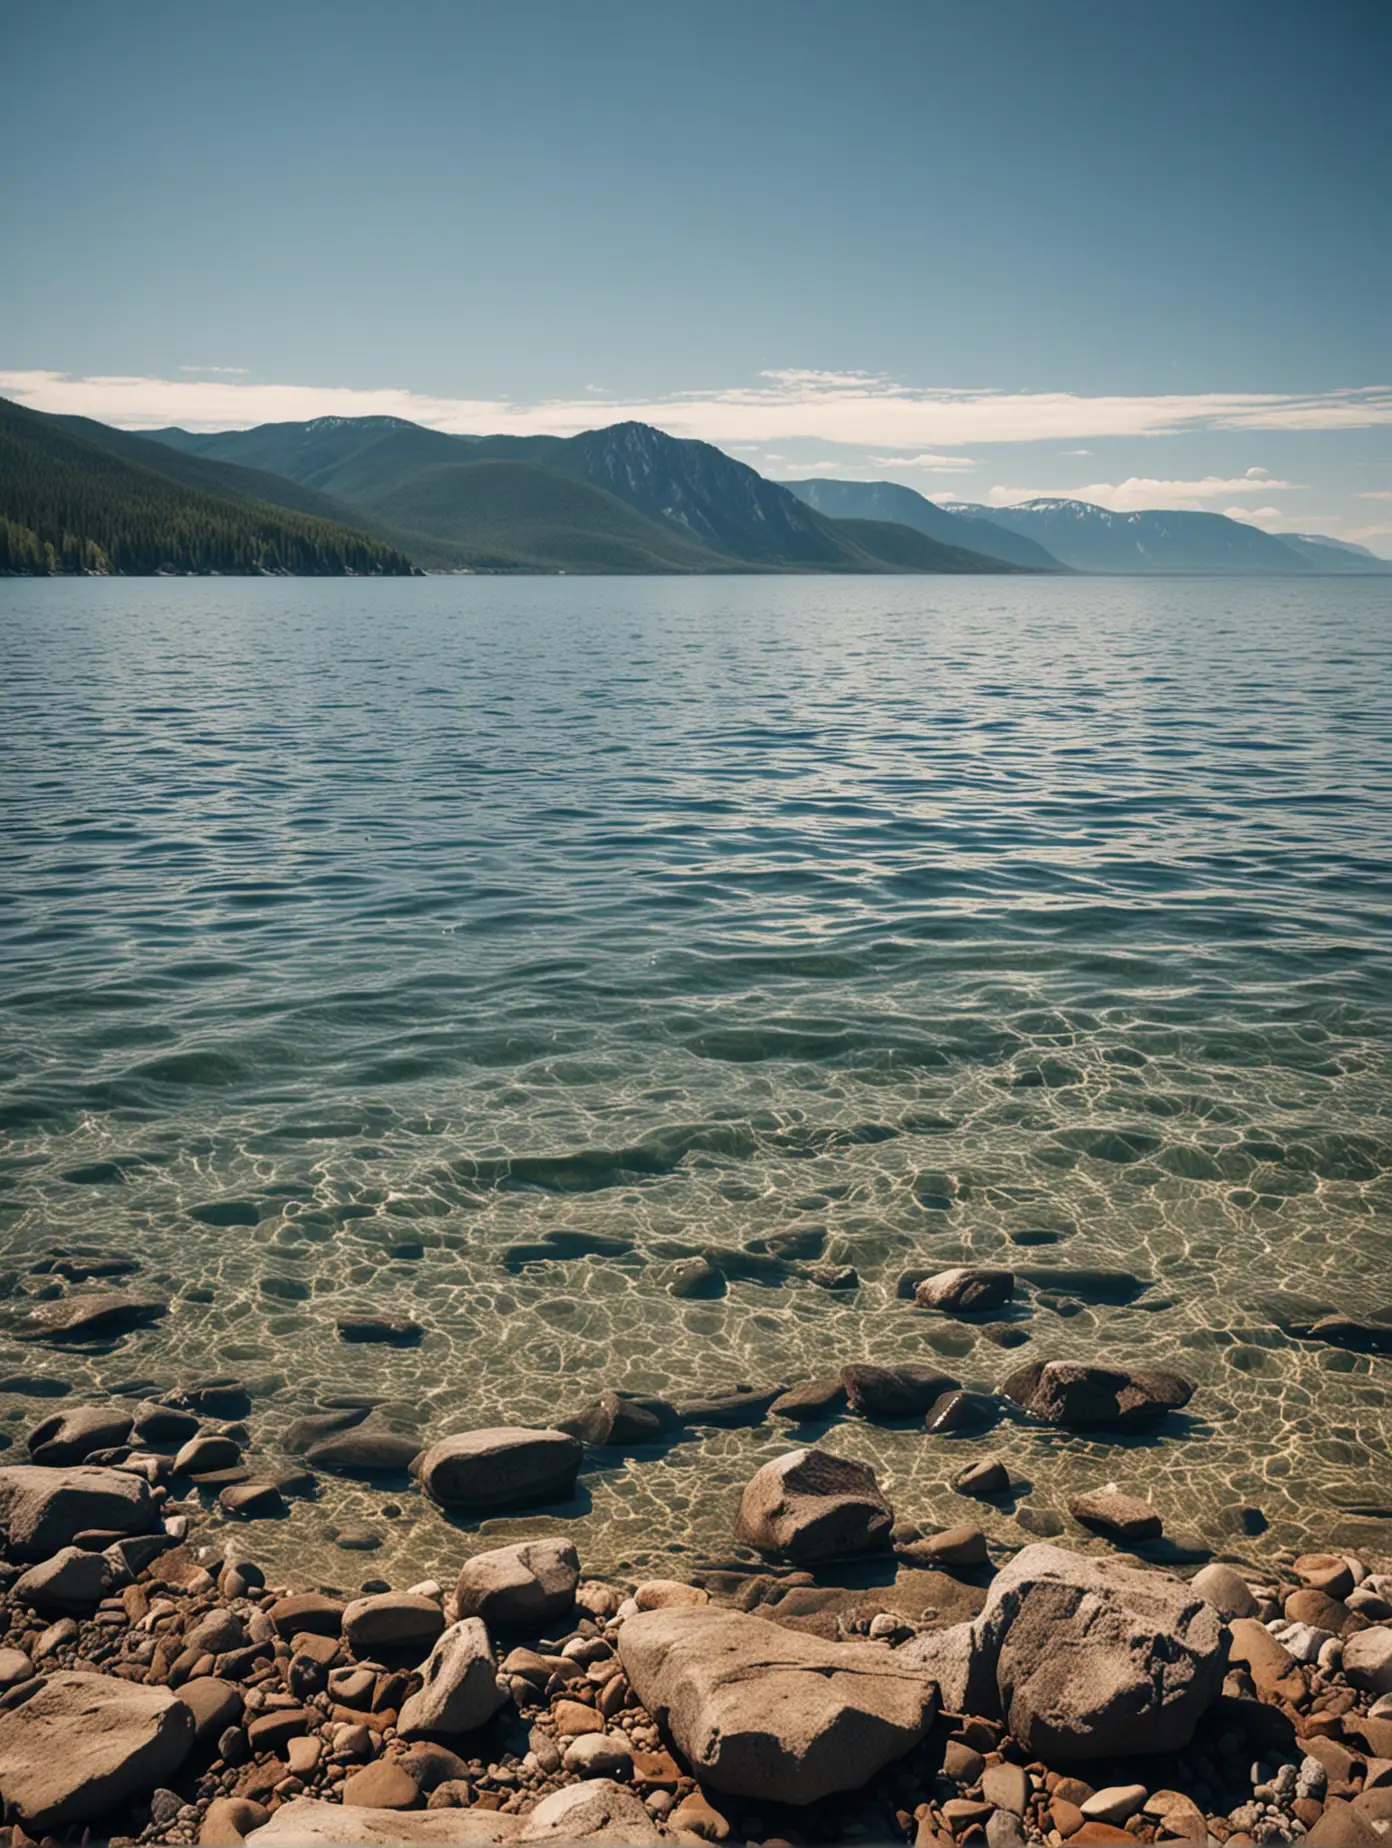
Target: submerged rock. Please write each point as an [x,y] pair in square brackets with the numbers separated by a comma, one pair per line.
[618,1419]
[364,1451]
[894,1392]
[1121,1517]
[740,1405]
[1081,1397]
[968,1290]
[811,1505]
[811,1402]
[389,1331]
[96,1315]
[504,1467]
[74,1433]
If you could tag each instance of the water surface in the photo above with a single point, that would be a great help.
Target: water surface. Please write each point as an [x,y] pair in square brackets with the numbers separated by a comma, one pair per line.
[354,933]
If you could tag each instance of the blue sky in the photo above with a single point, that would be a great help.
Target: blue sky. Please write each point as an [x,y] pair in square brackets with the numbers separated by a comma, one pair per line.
[1134,249]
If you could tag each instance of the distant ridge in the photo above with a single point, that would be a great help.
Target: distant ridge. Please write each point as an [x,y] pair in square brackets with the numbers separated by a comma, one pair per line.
[891,500]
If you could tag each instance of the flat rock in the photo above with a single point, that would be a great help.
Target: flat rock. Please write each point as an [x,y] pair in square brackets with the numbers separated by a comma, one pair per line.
[810,1505]
[364,1450]
[731,1410]
[513,1587]
[74,1433]
[811,1401]
[504,1467]
[392,1620]
[96,1315]
[1121,1517]
[761,1711]
[158,1424]
[43,1510]
[617,1420]
[85,1745]
[310,1821]
[954,1546]
[969,1289]
[1081,1397]
[894,1392]
[459,1684]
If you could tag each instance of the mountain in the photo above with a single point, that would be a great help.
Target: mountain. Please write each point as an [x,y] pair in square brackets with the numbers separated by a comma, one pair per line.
[625,498]
[890,500]
[1334,554]
[1095,539]
[77,496]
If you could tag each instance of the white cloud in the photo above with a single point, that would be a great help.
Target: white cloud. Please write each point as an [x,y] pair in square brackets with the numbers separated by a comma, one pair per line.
[238,372]
[1270,519]
[1141,491]
[1076,452]
[1375,494]
[940,465]
[851,408]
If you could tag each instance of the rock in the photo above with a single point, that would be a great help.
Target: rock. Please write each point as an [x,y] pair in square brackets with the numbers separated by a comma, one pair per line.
[42,1510]
[71,1435]
[96,1315]
[1275,1673]
[1227,1591]
[1347,1332]
[810,1402]
[162,1424]
[1368,1660]
[597,1812]
[1120,1517]
[742,1405]
[694,1277]
[307,1822]
[961,1414]
[218,1632]
[387,1330]
[229,1820]
[253,1501]
[85,1745]
[500,1468]
[1007,1787]
[564,1243]
[616,1420]
[71,1581]
[1082,1658]
[392,1620]
[599,1755]
[1113,1804]
[834,1276]
[219,1396]
[971,1289]
[1081,1397]
[1326,1572]
[1342,1826]
[894,1392]
[15,1667]
[573,1719]
[984,1480]
[518,1586]
[365,1450]
[761,1711]
[459,1684]
[954,1546]
[811,1505]
[207,1453]
[382,1786]
[307,1611]
[668,1595]
[214,1704]
[1004,1829]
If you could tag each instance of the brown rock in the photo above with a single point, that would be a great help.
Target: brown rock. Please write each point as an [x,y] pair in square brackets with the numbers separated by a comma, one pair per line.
[392,1620]
[1326,1572]
[528,1584]
[1341,1826]
[1100,1832]
[43,1510]
[1066,1817]
[229,1820]
[970,1289]
[811,1505]
[1275,1672]
[383,1785]
[1081,1397]
[503,1467]
[84,1745]
[573,1718]
[271,1732]
[214,1704]
[894,1392]
[811,1402]
[308,1611]
[1121,1517]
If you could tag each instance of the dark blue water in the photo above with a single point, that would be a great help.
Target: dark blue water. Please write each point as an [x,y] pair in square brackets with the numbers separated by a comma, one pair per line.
[374,918]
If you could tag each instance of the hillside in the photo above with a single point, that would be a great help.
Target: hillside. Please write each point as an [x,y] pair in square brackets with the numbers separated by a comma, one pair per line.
[1093,538]
[900,548]
[700,509]
[890,500]
[69,503]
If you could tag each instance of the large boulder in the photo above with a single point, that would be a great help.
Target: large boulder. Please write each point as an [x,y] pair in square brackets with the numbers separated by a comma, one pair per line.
[70,1435]
[514,1587]
[771,1713]
[72,1581]
[85,1745]
[811,1505]
[501,1468]
[459,1684]
[905,1391]
[1083,1658]
[1081,1397]
[967,1290]
[43,1510]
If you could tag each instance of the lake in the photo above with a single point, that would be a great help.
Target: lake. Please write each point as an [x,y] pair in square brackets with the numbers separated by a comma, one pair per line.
[357,935]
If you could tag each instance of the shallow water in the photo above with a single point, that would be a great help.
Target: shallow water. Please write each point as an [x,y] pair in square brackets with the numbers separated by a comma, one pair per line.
[352,933]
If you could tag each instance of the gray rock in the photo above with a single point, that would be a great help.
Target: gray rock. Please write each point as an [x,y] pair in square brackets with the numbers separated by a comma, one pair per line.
[1120,1517]
[1081,1397]
[72,1580]
[970,1289]
[761,1711]
[73,1434]
[1085,1658]
[85,1745]
[516,1586]
[504,1467]
[894,1392]
[1227,1591]
[811,1505]
[597,1812]
[459,1688]
[42,1510]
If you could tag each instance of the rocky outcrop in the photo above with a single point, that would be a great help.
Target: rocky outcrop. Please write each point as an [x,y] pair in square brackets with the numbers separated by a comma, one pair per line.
[968,1290]
[84,1745]
[506,1467]
[811,1505]
[43,1510]
[1085,1658]
[459,1687]
[1081,1397]
[765,1712]
[512,1586]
